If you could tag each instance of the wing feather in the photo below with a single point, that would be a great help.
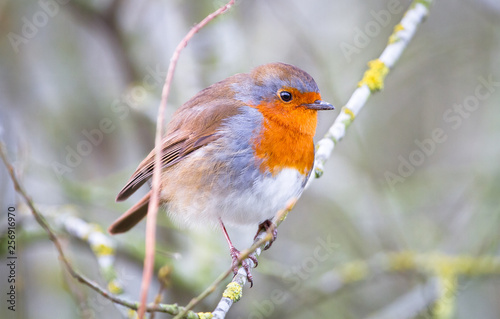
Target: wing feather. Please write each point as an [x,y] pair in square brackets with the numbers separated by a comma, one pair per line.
[192,128]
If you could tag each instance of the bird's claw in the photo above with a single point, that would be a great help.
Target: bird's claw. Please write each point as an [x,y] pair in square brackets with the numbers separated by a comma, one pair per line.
[265,226]
[235,255]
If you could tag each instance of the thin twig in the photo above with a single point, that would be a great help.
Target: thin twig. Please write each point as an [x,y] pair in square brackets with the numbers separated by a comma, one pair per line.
[204,294]
[171,309]
[38,217]
[154,201]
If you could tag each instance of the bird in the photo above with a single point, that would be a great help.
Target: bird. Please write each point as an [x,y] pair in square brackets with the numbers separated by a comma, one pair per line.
[234,154]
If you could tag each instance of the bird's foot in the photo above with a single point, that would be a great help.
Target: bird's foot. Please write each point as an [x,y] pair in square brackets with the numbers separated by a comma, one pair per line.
[265,226]
[235,255]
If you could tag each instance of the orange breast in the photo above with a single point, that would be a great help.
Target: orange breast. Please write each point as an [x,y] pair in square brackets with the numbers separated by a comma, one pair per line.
[286,139]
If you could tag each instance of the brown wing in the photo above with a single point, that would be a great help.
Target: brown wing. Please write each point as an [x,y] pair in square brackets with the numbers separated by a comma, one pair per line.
[174,149]
[193,126]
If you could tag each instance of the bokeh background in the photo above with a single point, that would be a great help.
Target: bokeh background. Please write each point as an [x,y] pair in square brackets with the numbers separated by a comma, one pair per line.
[67,67]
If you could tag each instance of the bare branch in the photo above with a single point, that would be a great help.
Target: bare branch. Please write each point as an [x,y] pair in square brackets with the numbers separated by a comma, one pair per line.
[171,309]
[154,201]
[373,80]
[233,291]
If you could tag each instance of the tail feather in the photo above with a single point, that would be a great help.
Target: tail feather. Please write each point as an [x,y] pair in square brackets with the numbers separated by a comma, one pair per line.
[131,217]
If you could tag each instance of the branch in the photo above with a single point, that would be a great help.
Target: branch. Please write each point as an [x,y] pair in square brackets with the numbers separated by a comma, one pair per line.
[38,217]
[84,231]
[373,80]
[154,201]
[233,291]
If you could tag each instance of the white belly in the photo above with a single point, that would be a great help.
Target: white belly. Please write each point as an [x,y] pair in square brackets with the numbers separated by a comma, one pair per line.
[248,207]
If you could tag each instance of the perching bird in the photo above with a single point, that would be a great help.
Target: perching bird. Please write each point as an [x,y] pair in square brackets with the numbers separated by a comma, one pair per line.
[235,153]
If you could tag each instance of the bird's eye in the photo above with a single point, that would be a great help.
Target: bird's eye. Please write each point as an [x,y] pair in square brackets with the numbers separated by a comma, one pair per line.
[285,96]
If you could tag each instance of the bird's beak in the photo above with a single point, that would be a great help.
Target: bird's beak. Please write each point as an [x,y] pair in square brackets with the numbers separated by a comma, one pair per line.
[319,105]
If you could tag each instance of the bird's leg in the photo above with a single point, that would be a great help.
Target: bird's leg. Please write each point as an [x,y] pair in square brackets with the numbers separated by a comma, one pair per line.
[235,254]
[265,226]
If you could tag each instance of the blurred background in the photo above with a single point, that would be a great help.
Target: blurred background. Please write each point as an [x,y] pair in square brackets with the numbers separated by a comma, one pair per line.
[418,172]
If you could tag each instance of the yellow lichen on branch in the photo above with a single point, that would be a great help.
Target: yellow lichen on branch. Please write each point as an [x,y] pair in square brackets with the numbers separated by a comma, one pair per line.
[375,75]
[233,291]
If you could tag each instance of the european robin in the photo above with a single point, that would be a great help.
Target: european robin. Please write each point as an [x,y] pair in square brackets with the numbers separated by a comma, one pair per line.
[235,153]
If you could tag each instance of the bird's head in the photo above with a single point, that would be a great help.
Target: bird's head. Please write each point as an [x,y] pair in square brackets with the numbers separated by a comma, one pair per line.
[284,93]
